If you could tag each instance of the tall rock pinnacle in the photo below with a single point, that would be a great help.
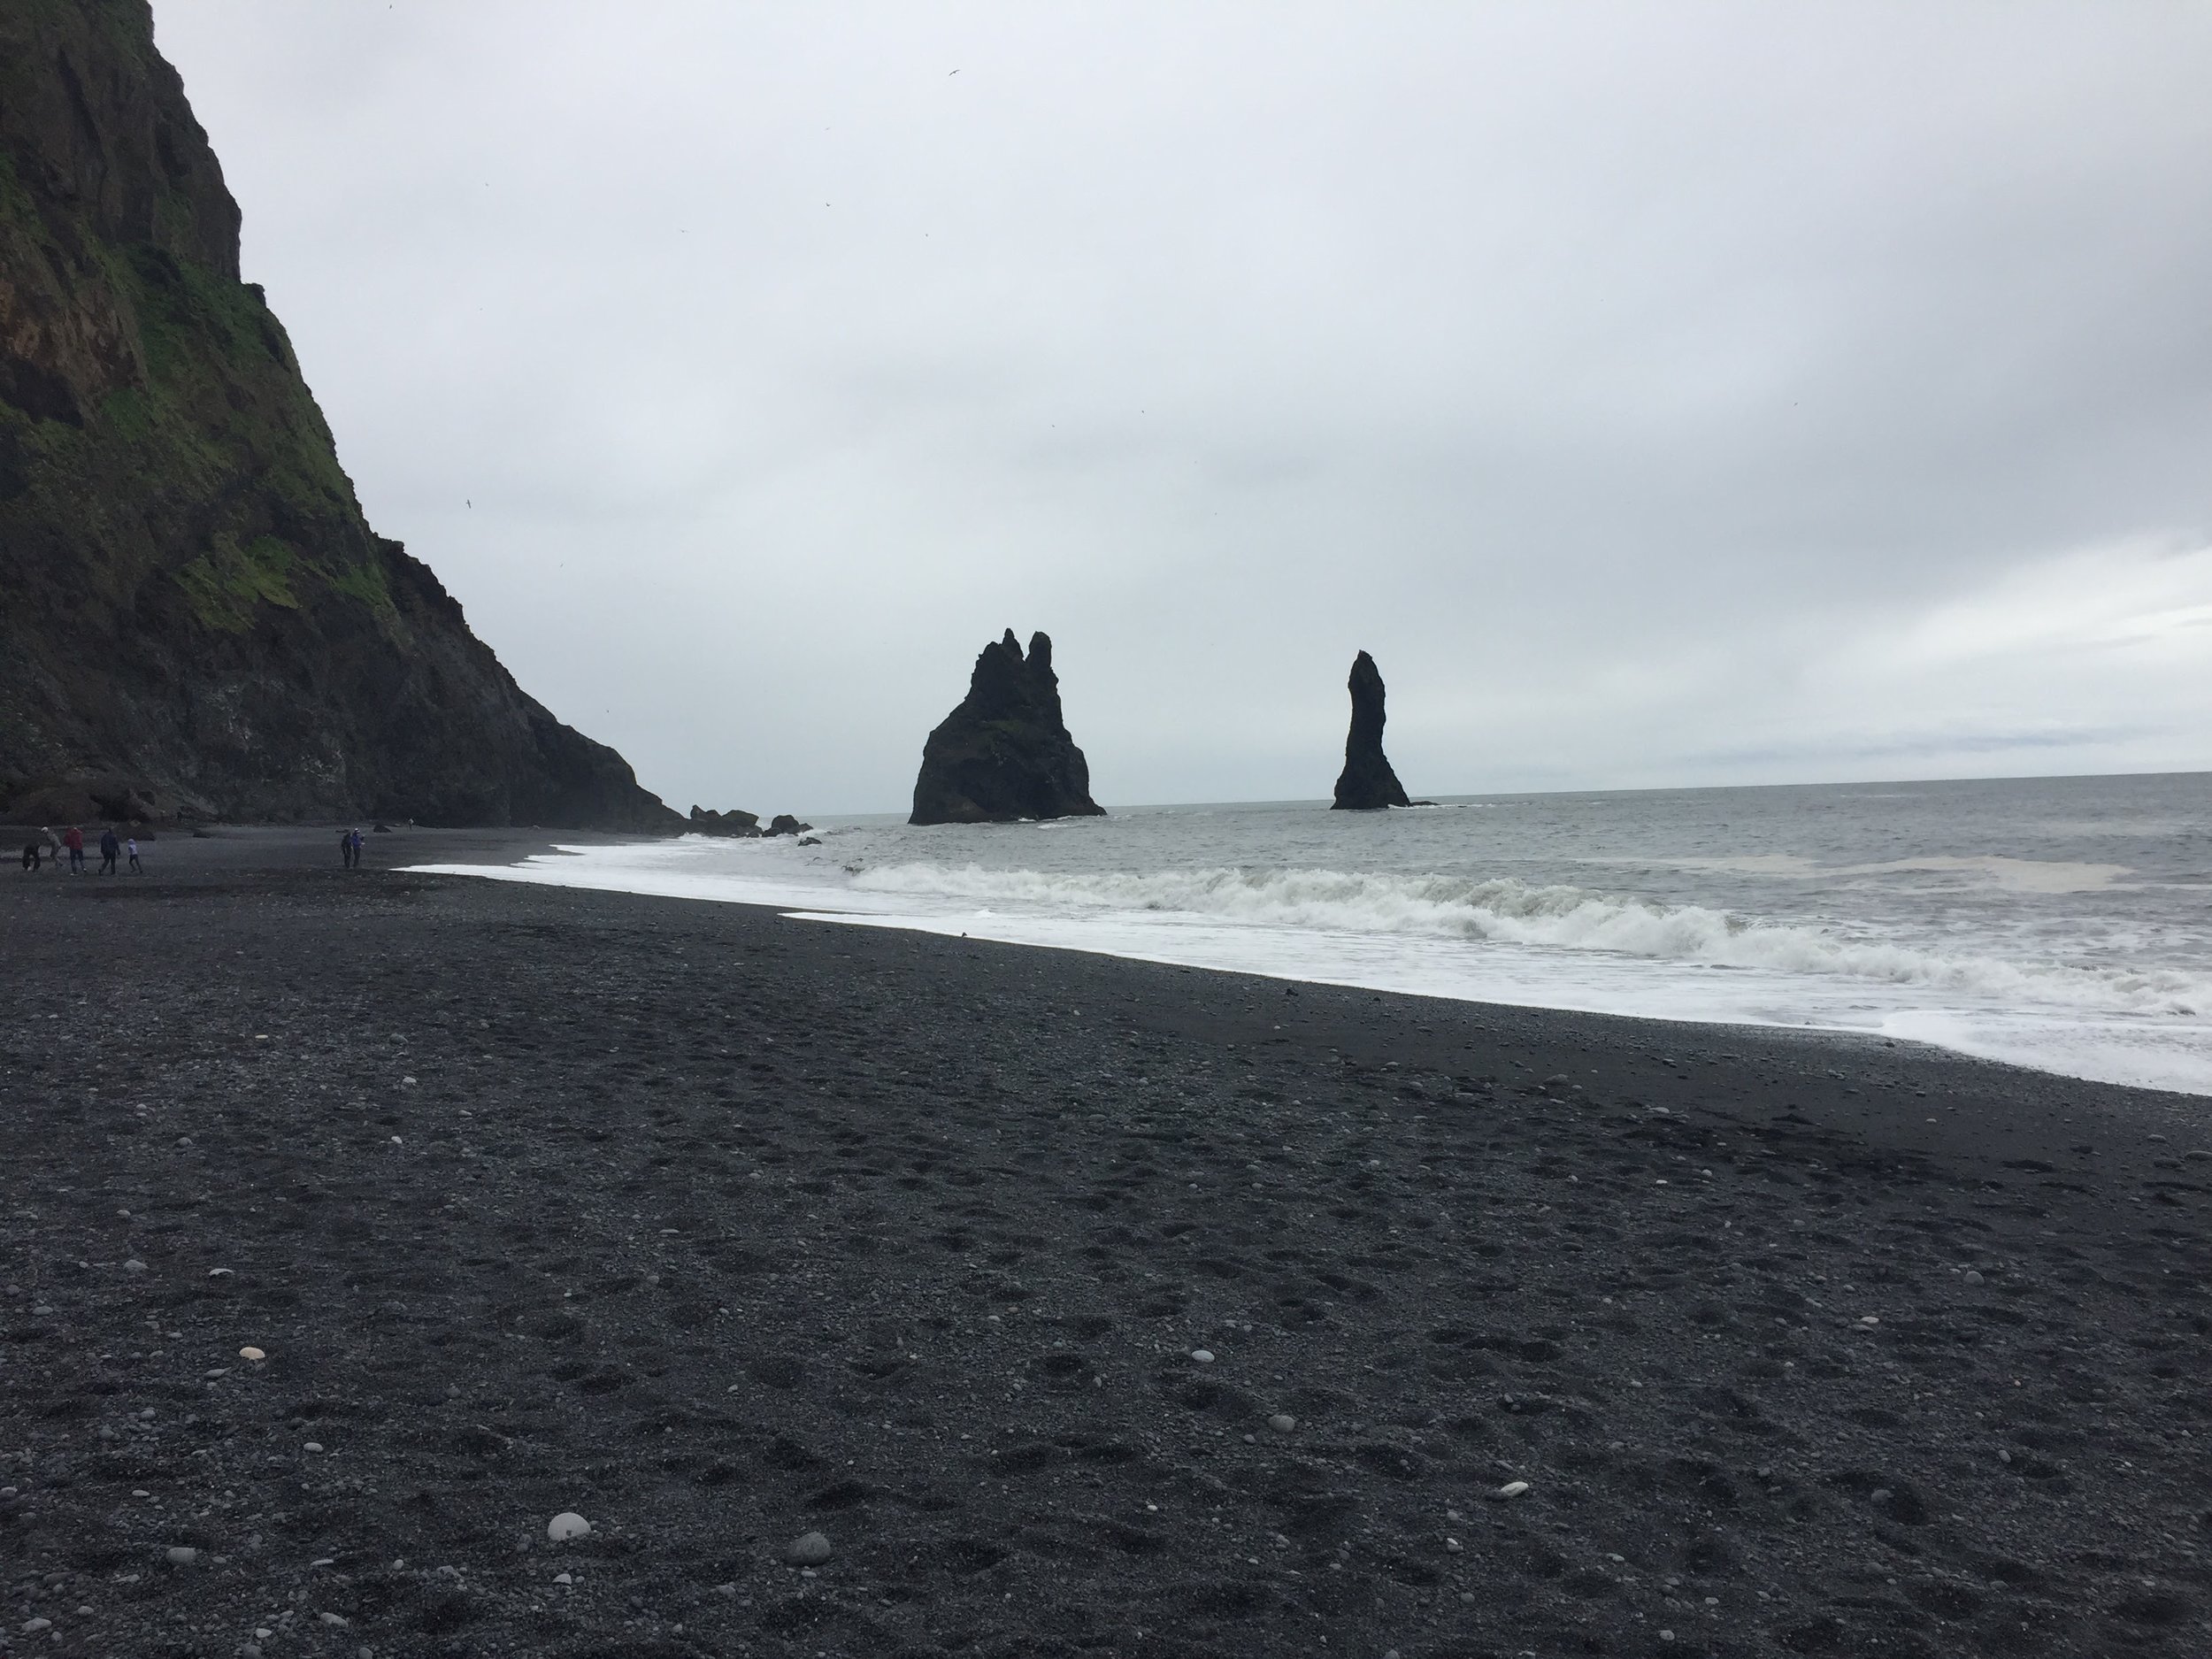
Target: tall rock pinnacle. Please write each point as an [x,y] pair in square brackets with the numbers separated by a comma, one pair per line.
[1367,781]
[1004,754]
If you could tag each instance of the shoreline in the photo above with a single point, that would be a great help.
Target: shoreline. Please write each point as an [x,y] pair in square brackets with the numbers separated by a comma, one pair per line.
[720,1228]
[802,900]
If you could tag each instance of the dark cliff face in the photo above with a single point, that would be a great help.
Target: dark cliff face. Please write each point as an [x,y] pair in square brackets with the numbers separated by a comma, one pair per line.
[1004,754]
[193,615]
[1367,780]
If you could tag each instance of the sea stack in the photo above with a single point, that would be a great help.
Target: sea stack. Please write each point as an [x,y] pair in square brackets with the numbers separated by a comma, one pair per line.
[1367,781]
[1004,754]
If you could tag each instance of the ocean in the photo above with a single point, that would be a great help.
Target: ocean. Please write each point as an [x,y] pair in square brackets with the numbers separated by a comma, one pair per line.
[2063,923]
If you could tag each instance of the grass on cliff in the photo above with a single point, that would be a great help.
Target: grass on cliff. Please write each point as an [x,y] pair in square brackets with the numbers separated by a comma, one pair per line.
[221,442]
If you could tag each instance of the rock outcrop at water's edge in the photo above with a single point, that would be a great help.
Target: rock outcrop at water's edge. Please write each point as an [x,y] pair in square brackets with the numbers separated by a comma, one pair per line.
[1367,782]
[1004,754]
[197,620]
[737,823]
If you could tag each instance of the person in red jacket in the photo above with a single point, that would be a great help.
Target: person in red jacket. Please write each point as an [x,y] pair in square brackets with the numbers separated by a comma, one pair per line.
[72,838]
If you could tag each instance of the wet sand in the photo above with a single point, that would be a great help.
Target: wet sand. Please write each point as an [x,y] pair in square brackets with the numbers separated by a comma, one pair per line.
[721,1229]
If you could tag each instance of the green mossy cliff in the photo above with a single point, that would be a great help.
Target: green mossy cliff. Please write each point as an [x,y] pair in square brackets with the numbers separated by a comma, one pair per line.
[194,617]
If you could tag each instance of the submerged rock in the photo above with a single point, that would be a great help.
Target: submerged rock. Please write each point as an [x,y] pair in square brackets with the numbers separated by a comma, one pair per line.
[1367,781]
[1004,754]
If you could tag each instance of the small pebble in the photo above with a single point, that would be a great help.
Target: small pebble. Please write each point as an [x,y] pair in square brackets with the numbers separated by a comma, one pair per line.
[335,1620]
[566,1525]
[133,1266]
[218,1273]
[312,1446]
[810,1550]
[565,1577]
[252,1353]
[1973,1278]
[1869,1318]
[1512,1489]
[182,1555]
[32,1626]
[1282,1422]
[1203,1355]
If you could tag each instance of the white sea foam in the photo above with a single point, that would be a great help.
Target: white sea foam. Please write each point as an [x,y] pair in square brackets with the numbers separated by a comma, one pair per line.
[1557,916]
[2063,925]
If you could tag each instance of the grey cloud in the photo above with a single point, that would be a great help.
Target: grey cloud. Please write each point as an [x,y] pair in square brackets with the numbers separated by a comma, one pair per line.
[1623,376]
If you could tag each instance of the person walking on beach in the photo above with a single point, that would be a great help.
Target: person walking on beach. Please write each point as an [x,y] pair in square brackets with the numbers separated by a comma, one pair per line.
[357,845]
[345,846]
[72,838]
[131,845]
[34,855]
[111,849]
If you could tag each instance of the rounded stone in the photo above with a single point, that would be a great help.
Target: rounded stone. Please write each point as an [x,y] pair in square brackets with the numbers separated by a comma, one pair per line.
[810,1550]
[1203,1355]
[182,1555]
[1282,1422]
[566,1525]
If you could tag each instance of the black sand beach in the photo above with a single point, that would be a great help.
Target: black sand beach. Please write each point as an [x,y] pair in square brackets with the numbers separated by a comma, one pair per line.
[721,1229]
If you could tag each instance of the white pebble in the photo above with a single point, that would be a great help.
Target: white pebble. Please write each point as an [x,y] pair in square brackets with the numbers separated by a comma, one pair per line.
[565,1577]
[312,1446]
[1203,1355]
[1869,1318]
[252,1353]
[133,1266]
[566,1525]
[218,1273]
[407,1082]
[1512,1489]
[182,1555]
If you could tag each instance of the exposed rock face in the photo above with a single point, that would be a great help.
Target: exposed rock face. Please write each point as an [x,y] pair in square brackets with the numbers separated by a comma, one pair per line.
[735,822]
[1004,754]
[194,617]
[784,824]
[1367,781]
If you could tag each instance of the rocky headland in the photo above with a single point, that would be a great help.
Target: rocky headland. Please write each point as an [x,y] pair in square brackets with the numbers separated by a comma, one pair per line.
[1367,782]
[199,621]
[1004,754]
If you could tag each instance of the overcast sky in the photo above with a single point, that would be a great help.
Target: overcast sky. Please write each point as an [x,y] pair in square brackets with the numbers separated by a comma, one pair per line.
[1664,394]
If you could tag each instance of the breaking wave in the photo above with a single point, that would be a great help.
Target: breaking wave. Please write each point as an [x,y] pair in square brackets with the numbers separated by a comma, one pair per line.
[1569,918]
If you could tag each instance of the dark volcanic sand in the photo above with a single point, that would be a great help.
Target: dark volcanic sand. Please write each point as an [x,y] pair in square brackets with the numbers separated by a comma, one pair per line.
[721,1229]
